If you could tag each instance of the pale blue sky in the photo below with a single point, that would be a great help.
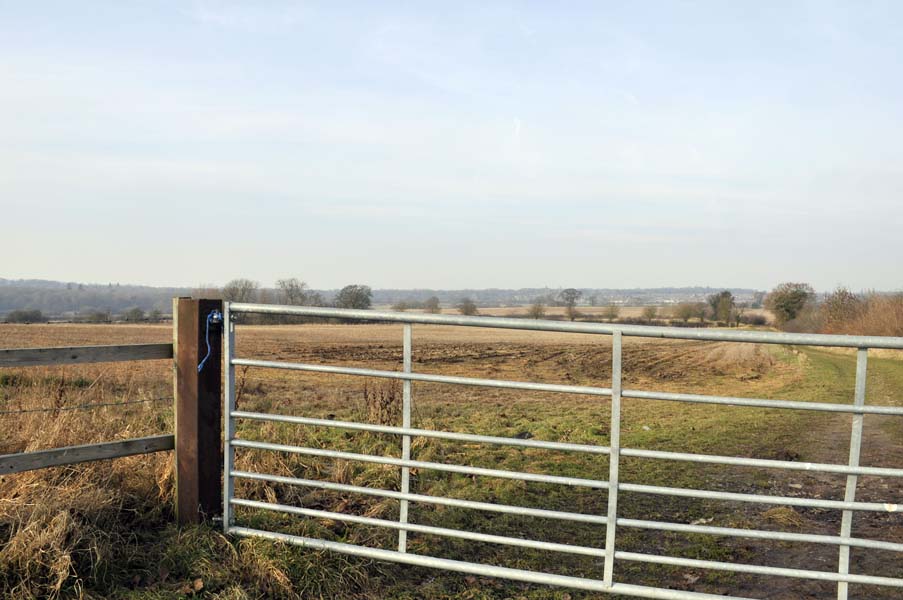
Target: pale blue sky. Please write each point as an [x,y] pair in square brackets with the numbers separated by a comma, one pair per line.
[492,144]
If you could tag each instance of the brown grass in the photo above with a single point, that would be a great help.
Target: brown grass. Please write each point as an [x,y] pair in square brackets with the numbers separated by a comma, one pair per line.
[876,314]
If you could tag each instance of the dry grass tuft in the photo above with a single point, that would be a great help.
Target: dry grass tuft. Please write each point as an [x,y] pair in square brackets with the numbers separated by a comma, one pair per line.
[783,515]
[384,402]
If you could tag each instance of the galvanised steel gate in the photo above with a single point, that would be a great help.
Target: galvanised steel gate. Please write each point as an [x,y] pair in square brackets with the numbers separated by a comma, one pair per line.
[610,553]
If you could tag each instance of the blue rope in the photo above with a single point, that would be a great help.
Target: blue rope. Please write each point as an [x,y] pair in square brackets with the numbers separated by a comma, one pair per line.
[216,316]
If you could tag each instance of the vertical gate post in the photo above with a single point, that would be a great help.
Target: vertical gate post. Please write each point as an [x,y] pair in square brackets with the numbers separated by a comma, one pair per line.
[846,523]
[406,439]
[614,458]
[228,419]
[198,491]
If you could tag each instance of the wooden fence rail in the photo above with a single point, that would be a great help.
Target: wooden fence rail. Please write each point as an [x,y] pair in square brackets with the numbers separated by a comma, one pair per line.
[33,357]
[70,455]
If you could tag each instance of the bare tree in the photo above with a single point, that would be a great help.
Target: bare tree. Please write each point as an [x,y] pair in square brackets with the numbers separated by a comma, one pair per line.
[650,312]
[537,310]
[569,298]
[612,311]
[207,290]
[431,305]
[240,290]
[293,291]
[685,311]
[316,299]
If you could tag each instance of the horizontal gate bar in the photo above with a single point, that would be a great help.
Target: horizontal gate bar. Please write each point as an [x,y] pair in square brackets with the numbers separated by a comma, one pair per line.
[592,483]
[579,517]
[759,498]
[680,333]
[762,534]
[563,446]
[425,529]
[758,569]
[507,509]
[570,389]
[70,455]
[636,591]
[762,403]
[450,379]
[398,462]
[581,550]
[762,462]
[445,435]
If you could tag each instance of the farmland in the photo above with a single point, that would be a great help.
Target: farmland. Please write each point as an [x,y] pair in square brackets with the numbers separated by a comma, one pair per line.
[598,313]
[103,530]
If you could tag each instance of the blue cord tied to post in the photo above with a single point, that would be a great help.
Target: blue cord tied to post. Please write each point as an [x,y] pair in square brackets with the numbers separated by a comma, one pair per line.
[214,316]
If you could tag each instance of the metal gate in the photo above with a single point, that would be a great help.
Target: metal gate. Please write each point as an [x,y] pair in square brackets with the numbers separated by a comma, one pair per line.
[610,553]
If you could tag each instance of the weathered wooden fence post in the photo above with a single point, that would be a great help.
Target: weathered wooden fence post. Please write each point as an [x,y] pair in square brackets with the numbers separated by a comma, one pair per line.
[198,402]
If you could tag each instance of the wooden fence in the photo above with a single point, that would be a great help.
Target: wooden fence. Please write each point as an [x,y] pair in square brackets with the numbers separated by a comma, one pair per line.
[197,404]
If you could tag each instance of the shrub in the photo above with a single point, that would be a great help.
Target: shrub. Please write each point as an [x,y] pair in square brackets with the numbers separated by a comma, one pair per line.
[788,300]
[467,307]
[133,315]
[26,316]
[755,319]
[537,310]
[875,314]
[840,308]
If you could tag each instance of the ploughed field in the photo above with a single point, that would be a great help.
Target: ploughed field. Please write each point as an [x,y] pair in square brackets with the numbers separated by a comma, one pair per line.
[103,529]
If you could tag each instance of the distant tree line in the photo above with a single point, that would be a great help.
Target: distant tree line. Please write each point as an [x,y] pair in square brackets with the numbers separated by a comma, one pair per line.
[795,306]
[290,291]
[81,301]
[26,316]
[430,305]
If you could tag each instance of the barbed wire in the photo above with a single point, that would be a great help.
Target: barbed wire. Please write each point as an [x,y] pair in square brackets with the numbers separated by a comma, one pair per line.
[81,406]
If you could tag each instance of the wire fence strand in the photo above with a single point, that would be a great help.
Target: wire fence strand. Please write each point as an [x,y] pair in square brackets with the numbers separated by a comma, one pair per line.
[6,413]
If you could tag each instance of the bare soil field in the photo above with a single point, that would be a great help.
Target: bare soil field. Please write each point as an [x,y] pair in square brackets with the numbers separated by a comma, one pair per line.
[104,530]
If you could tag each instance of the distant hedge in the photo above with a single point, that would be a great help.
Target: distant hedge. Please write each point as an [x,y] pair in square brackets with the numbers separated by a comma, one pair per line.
[26,316]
